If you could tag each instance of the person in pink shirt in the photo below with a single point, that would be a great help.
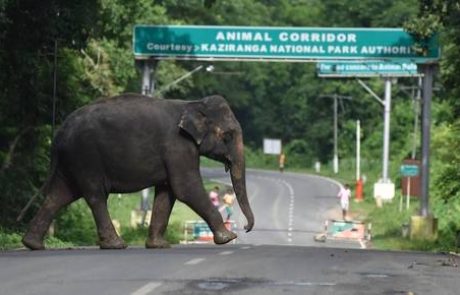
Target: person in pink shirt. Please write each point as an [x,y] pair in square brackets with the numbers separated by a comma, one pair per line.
[344,196]
[214,196]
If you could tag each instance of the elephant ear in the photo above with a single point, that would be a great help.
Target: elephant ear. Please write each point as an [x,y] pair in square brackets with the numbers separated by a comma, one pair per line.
[193,121]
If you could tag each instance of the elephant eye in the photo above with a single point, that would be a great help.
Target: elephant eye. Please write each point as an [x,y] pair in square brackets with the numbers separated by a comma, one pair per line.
[228,137]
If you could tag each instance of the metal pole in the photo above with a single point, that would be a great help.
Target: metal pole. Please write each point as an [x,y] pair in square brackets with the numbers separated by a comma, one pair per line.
[386,129]
[358,150]
[336,157]
[416,114]
[335,160]
[147,81]
[426,128]
[148,86]
[181,78]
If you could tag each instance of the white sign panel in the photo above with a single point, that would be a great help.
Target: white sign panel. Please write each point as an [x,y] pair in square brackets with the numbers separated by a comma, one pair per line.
[272,146]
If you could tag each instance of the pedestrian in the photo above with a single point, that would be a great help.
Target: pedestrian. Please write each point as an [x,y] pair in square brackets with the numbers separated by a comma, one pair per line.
[229,199]
[344,195]
[214,196]
[282,160]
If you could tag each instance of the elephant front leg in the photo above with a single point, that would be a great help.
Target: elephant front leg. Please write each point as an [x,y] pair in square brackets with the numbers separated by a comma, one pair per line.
[162,207]
[192,193]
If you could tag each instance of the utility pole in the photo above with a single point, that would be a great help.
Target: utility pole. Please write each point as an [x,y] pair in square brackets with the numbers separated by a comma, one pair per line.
[336,97]
[416,95]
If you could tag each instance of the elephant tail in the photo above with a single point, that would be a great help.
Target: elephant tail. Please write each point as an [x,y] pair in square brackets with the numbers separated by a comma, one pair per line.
[26,207]
[42,190]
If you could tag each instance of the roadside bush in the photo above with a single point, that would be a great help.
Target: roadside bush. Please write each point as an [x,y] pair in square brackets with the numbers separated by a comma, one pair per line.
[298,154]
[9,240]
[255,158]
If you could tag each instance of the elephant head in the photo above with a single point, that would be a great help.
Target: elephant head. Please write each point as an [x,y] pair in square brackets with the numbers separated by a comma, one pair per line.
[212,125]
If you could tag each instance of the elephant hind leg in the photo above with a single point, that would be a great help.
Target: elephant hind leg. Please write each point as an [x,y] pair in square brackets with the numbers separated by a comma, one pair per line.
[58,195]
[162,207]
[108,237]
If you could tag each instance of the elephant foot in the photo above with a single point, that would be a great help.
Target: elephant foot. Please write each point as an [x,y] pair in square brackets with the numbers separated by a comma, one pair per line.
[157,244]
[33,243]
[113,244]
[223,237]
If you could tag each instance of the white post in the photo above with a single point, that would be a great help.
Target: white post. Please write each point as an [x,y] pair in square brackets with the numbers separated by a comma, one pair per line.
[336,157]
[358,150]
[386,130]
[147,81]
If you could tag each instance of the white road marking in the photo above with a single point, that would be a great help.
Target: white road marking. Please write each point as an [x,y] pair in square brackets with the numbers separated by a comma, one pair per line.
[195,261]
[146,289]
[245,248]
[226,253]
[363,245]
[289,240]
[306,283]
[289,234]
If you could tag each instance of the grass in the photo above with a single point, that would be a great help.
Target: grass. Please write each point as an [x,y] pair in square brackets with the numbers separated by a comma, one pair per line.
[12,240]
[387,223]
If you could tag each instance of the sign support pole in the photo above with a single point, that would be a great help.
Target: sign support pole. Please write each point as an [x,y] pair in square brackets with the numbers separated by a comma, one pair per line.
[147,88]
[427,86]
[424,225]
[386,129]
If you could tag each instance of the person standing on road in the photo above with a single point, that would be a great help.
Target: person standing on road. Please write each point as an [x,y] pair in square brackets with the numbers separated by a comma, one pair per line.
[344,196]
[282,161]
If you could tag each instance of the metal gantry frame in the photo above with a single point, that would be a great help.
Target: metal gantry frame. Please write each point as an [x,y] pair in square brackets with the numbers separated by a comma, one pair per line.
[386,103]
[144,37]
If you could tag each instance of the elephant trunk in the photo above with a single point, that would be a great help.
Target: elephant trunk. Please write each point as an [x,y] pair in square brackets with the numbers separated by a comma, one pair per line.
[238,176]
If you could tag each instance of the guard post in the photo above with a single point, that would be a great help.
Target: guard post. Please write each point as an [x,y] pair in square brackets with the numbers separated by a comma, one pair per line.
[424,226]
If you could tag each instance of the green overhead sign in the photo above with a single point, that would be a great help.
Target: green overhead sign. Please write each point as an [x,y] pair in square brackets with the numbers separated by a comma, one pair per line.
[366,69]
[276,43]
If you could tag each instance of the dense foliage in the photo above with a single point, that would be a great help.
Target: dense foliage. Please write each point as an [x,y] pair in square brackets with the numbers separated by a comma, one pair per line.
[84,49]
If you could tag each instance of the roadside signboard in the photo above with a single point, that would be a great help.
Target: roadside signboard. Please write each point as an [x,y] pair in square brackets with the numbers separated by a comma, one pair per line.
[198,231]
[272,146]
[297,44]
[348,230]
[409,170]
[366,69]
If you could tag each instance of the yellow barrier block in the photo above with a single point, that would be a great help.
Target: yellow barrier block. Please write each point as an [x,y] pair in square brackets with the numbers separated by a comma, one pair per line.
[423,228]
[137,216]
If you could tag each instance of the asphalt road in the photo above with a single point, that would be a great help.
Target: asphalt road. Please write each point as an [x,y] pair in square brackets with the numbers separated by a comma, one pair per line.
[232,269]
[278,257]
[289,208]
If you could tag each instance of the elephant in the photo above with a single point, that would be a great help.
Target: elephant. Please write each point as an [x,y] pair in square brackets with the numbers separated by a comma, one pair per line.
[129,142]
